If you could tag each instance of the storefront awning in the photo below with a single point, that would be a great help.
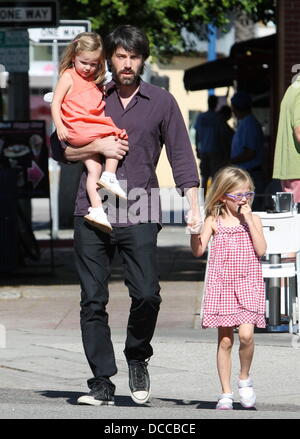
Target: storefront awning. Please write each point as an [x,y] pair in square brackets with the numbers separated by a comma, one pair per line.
[213,74]
[263,47]
[249,63]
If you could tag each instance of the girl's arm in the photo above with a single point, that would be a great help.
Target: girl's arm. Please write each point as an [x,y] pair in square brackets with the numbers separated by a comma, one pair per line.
[199,241]
[256,230]
[63,86]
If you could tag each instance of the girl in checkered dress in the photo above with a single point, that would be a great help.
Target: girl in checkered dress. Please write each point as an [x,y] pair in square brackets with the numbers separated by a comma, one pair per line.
[234,287]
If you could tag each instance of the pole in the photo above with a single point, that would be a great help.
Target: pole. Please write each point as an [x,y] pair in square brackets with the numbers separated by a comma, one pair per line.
[274,295]
[211,49]
[54,167]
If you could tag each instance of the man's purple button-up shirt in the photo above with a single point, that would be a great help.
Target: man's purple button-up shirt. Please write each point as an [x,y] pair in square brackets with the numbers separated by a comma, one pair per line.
[151,119]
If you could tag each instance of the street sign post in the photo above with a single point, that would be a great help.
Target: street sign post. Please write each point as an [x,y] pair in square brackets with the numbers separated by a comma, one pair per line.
[28,13]
[66,31]
[54,37]
[14,50]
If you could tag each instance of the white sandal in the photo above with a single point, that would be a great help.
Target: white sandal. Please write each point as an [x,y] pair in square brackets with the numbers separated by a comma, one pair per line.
[98,218]
[246,392]
[110,183]
[225,401]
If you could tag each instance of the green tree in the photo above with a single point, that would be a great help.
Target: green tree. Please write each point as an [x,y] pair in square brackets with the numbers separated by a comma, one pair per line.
[163,20]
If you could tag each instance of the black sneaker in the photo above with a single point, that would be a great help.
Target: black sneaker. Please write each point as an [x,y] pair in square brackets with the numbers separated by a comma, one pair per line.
[102,393]
[139,381]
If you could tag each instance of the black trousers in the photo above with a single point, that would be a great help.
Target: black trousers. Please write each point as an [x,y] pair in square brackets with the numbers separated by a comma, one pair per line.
[94,251]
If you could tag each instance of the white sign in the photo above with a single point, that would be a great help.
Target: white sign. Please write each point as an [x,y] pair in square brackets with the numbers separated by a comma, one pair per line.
[14,50]
[28,13]
[7,15]
[67,30]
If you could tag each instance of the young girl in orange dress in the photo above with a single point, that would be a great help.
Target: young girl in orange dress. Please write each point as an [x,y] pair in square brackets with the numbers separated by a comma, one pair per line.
[234,288]
[78,114]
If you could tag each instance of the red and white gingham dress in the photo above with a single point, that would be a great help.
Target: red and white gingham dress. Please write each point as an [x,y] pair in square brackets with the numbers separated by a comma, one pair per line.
[234,290]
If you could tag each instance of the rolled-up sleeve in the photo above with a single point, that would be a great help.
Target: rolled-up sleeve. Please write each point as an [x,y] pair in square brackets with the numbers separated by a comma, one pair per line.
[178,148]
[296,112]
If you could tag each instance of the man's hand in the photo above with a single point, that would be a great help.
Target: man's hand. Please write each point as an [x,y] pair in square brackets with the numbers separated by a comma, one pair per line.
[193,218]
[111,147]
[194,222]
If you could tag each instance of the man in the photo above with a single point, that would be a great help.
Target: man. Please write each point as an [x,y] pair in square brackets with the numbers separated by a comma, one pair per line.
[287,150]
[151,118]
[248,142]
[208,141]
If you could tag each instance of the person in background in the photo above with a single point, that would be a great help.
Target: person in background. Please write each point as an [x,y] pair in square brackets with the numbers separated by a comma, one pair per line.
[287,150]
[248,143]
[226,135]
[208,141]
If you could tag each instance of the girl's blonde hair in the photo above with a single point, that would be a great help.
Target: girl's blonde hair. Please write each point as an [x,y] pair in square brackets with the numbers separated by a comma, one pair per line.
[85,41]
[225,181]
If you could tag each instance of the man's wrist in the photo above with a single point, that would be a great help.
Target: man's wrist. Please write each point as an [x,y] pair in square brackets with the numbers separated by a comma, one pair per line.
[94,148]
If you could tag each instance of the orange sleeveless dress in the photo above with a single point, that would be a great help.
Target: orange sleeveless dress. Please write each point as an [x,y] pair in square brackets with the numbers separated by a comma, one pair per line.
[82,112]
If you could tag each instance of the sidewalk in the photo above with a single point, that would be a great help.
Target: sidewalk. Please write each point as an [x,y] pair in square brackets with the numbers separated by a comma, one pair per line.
[43,369]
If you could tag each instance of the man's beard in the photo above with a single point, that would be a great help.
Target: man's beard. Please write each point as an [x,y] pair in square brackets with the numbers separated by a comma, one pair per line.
[119,79]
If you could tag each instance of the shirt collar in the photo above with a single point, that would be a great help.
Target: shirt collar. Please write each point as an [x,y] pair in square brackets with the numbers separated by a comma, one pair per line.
[143,90]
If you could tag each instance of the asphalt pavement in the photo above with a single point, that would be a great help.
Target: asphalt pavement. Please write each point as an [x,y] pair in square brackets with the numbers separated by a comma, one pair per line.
[43,369]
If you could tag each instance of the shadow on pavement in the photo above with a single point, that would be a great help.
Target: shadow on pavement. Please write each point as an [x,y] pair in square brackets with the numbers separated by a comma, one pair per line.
[125,401]
[204,405]
[69,396]
[176,264]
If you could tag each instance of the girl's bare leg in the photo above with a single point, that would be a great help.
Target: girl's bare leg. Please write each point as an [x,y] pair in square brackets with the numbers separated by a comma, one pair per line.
[225,343]
[111,165]
[246,350]
[109,181]
[94,168]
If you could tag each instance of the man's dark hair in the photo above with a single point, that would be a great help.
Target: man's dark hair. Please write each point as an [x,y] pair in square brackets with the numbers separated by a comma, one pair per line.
[129,38]
[212,102]
[242,100]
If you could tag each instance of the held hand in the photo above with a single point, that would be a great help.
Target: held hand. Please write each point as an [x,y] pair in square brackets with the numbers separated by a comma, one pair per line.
[194,222]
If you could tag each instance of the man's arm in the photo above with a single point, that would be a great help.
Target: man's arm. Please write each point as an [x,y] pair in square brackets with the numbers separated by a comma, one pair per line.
[110,147]
[178,147]
[297,133]
[182,161]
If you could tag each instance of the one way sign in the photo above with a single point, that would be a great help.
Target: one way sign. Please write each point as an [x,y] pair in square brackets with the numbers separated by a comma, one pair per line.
[66,31]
